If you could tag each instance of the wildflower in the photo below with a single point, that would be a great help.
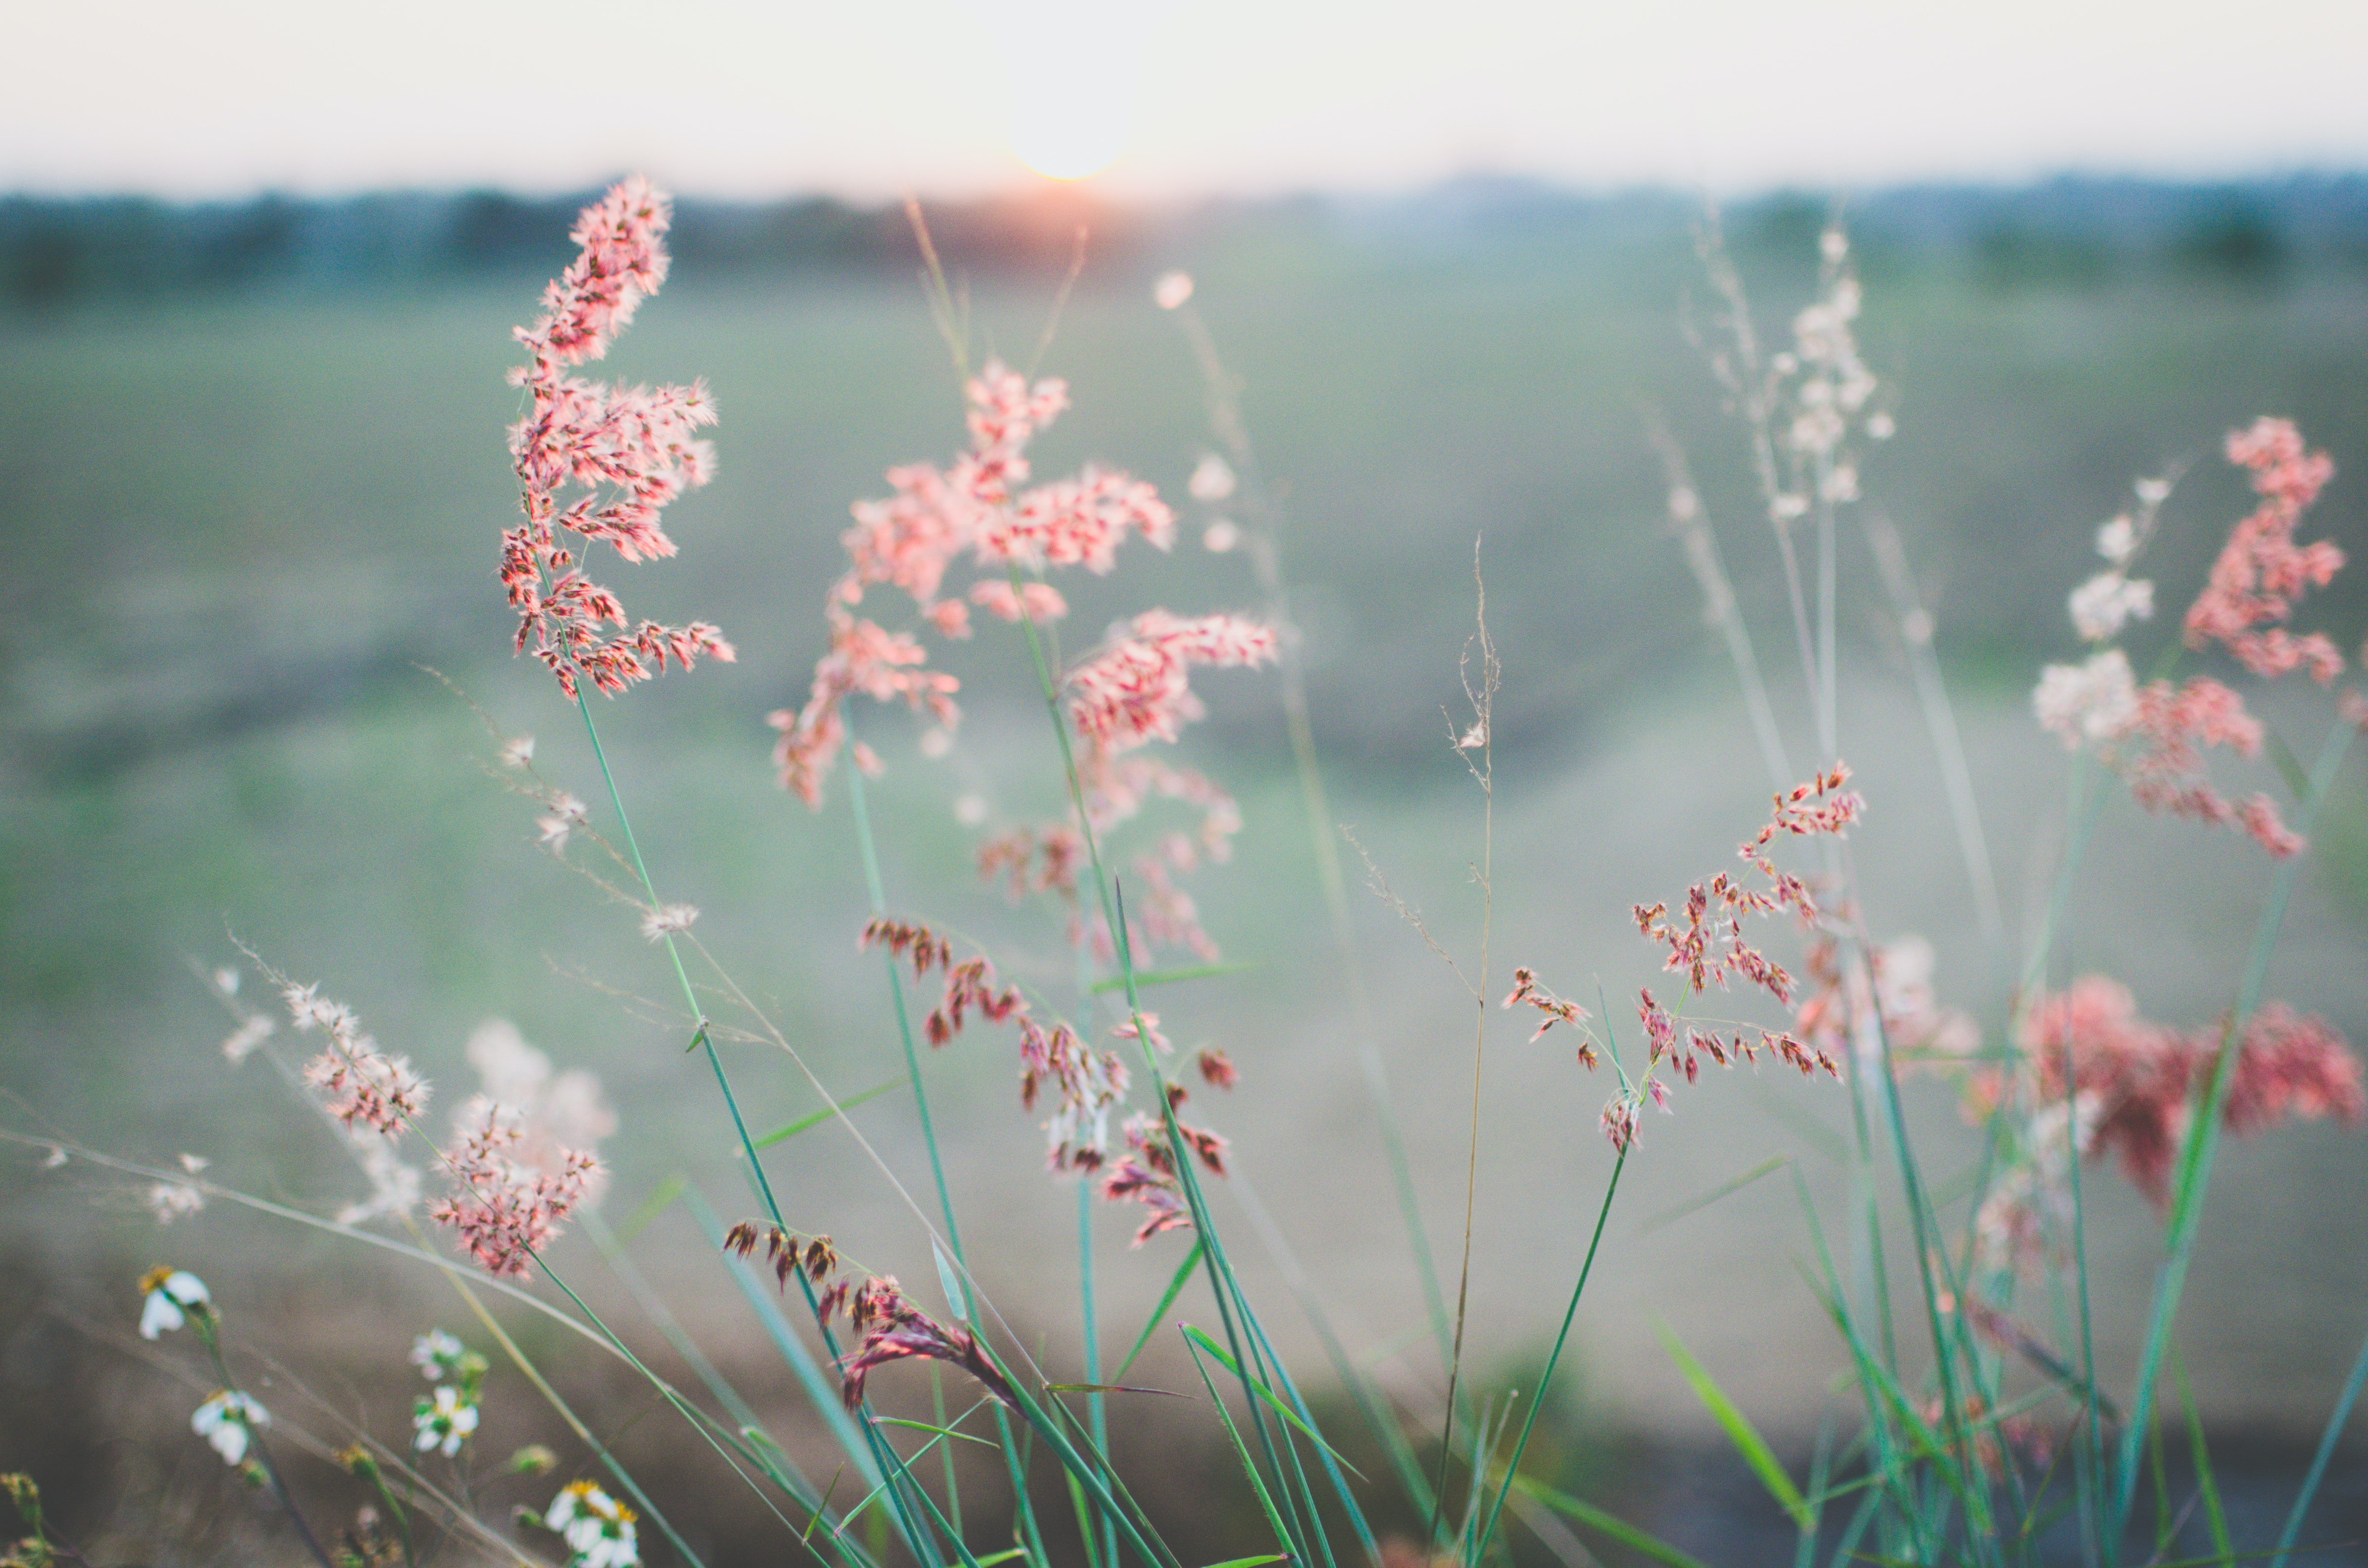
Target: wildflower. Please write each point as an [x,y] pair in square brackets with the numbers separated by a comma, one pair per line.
[598,1529]
[2117,541]
[2094,702]
[1220,537]
[1086,1085]
[556,1111]
[171,1200]
[228,1421]
[1557,1011]
[437,1354]
[506,1208]
[1217,1069]
[632,450]
[1212,479]
[358,1081]
[171,1295]
[666,919]
[1131,1180]
[910,540]
[1172,290]
[2140,1076]
[894,1329]
[444,1421]
[969,809]
[517,751]
[247,1036]
[2103,604]
[2261,570]
[1619,1120]
[1137,690]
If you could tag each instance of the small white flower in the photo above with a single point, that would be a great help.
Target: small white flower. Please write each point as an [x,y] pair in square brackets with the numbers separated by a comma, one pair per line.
[247,1036]
[1172,290]
[172,1294]
[597,1528]
[2103,604]
[226,981]
[1213,480]
[517,751]
[668,918]
[227,1421]
[2094,702]
[171,1200]
[2152,491]
[2118,540]
[969,811]
[936,742]
[55,1158]
[1880,426]
[444,1422]
[1833,244]
[1220,537]
[436,1353]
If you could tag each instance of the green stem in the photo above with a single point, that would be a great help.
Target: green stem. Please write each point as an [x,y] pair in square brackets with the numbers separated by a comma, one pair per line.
[202,1320]
[1553,1358]
[2204,1141]
[869,850]
[913,1533]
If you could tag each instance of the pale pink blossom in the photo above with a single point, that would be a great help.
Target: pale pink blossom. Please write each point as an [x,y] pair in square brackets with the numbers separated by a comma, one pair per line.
[2105,603]
[358,1082]
[1212,479]
[2261,570]
[630,449]
[1172,290]
[1039,602]
[505,1209]
[2089,702]
[666,920]
[1138,691]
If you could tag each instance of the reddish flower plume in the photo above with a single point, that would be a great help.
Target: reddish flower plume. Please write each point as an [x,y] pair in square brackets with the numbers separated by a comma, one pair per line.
[1138,690]
[630,449]
[505,1209]
[2261,572]
[913,538]
[2135,1080]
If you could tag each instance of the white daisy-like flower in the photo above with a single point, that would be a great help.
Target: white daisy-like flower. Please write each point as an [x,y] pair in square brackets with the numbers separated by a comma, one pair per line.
[173,1294]
[228,1421]
[436,1354]
[444,1421]
[597,1528]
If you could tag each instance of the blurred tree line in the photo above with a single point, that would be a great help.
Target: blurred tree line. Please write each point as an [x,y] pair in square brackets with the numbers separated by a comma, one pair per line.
[2069,232]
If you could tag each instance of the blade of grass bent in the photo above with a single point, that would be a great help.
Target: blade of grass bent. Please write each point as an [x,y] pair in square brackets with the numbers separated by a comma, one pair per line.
[1159,1314]
[1748,1445]
[2203,1137]
[1617,1528]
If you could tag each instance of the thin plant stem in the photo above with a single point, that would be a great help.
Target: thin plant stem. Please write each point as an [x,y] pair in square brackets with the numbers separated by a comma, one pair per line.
[1553,1358]
[871,855]
[2336,1422]
[914,1535]
[202,1321]
[2204,1138]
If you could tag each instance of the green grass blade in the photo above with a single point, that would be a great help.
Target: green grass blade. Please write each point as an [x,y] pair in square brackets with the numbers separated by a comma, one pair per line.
[1159,1314]
[1746,1440]
[783,1134]
[2202,1140]
[1617,1528]
[1306,1430]
[2335,1425]
[2213,1516]
[927,1427]
[1668,1217]
[1251,1561]
[1170,976]
[1283,1536]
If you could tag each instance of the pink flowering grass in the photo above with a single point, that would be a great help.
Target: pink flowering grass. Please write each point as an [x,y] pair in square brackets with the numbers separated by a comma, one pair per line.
[1975,1429]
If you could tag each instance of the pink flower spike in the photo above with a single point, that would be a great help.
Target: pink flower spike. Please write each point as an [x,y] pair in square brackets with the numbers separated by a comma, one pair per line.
[630,449]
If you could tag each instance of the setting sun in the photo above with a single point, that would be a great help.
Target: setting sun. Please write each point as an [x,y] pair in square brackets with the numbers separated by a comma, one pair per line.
[1077,74]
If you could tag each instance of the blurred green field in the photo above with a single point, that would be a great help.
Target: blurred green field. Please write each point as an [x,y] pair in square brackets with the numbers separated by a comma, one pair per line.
[237,530]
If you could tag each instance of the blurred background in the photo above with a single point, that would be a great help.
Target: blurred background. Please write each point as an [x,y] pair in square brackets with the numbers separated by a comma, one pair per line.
[258,273]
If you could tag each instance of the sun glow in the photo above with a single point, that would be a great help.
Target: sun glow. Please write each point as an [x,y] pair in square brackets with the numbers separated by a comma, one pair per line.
[1076,73]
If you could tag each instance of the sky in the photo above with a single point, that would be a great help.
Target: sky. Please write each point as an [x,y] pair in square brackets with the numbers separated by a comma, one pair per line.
[1168,99]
